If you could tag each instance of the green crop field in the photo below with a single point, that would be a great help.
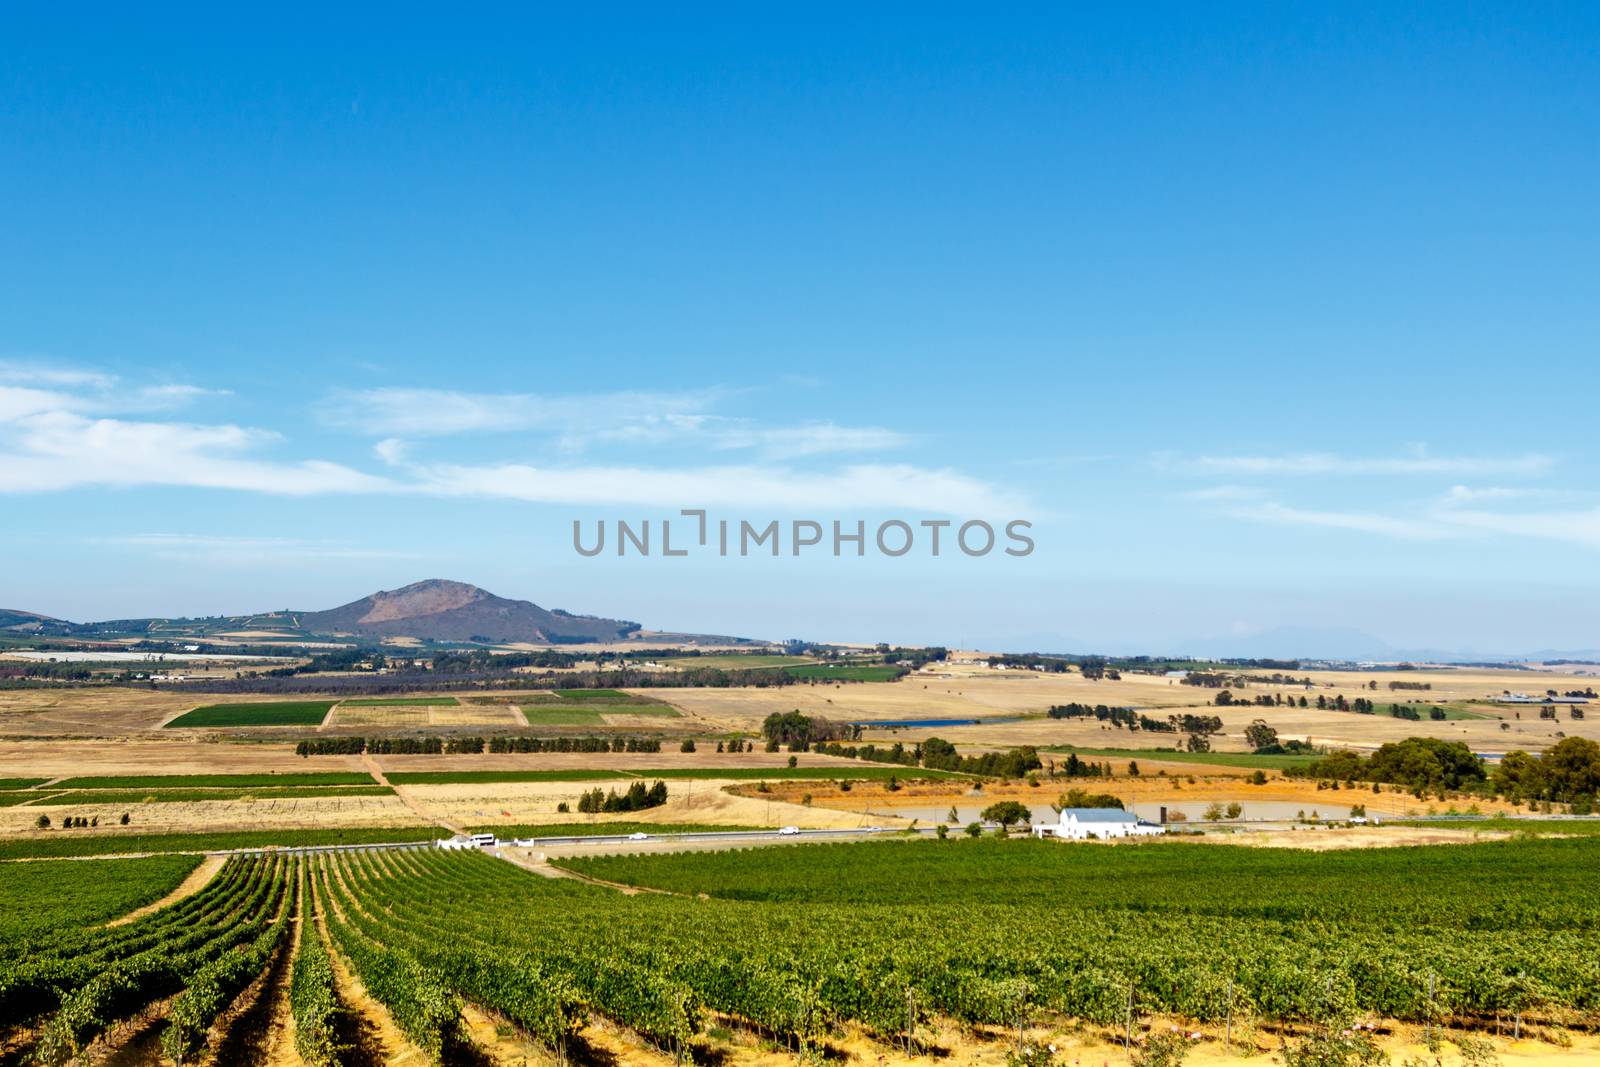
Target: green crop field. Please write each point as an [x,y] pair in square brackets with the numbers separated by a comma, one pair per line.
[1547,827]
[485,777]
[900,940]
[278,713]
[846,673]
[214,781]
[21,783]
[36,898]
[408,702]
[555,715]
[18,797]
[736,662]
[72,843]
[1215,759]
[650,711]
[477,778]
[609,696]
[180,796]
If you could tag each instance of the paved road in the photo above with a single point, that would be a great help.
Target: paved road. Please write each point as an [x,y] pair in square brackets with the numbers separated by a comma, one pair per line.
[734,838]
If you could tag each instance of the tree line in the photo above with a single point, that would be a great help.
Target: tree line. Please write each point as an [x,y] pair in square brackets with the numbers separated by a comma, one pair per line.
[1568,773]
[429,746]
[636,798]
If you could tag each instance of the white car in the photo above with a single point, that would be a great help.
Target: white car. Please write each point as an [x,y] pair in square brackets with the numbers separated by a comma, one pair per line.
[789,831]
[639,837]
[874,829]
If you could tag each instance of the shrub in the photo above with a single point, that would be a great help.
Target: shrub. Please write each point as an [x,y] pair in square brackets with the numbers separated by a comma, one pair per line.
[1166,1049]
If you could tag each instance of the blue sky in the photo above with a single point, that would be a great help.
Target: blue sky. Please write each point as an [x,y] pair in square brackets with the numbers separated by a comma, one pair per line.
[1265,317]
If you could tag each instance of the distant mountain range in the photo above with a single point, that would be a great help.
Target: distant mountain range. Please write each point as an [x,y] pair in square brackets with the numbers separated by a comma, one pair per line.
[1333,644]
[436,610]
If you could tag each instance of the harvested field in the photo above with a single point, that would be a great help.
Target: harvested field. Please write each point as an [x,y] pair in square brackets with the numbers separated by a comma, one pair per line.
[93,712]
[212,781]
[123,797]
[180,755]
[530,803]
[354,716]
[260,812]
[965,691]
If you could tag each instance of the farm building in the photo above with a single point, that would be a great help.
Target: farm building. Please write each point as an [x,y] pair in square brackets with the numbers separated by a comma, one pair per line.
[1078,824]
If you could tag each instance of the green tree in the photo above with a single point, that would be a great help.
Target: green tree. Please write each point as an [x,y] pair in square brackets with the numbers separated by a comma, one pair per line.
[1259,736]
[1572,769]
[1006,813]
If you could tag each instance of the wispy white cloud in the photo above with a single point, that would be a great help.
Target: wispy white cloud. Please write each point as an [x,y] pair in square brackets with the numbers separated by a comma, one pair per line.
[401,412]
[220,549]
[813,439]
[1327,463]
[23,372]
[1578,527]
[392,451]
[855,488]
[63,450]
[1365,522]
[1224,493]
[1461,494]
[52,439]
[30,389]
[576,423]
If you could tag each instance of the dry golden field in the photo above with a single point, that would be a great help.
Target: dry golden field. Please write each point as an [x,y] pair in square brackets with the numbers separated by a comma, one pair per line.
[345,718]
[64,732]
[962,690]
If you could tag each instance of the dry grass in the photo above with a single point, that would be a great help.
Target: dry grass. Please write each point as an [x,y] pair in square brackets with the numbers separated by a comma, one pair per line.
[962,690]
[493,716]
[260,813]
[706,801]
[97,712]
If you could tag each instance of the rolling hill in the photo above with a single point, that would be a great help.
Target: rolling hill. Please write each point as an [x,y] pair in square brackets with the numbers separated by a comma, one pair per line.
[442,610]
[431,610]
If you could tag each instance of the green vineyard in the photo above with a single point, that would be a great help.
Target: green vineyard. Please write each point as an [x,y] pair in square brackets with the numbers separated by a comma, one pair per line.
[800,944]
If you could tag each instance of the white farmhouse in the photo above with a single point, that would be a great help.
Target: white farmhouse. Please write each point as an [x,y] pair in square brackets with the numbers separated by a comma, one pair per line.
[1078,824]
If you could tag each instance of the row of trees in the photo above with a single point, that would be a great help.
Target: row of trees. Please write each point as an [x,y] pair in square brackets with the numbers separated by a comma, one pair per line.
[800,732]
[637,798]
[1417,763]
[428,746]
[1569,773]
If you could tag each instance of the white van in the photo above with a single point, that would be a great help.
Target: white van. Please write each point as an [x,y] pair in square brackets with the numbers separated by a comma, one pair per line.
[483,840]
